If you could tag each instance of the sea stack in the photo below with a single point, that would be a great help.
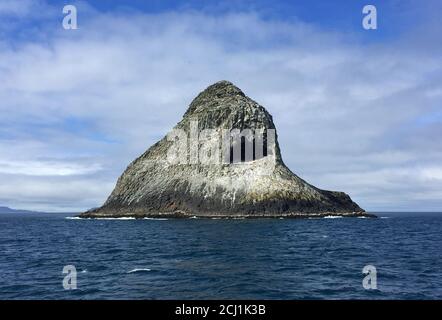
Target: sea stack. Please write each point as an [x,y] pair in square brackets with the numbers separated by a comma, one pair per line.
[222,160]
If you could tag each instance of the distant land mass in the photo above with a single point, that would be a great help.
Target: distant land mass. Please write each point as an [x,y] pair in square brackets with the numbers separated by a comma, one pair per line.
[9,210]
[198,170]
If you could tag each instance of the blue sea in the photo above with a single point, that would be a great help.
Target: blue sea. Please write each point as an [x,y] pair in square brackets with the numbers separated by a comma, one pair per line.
[221,259]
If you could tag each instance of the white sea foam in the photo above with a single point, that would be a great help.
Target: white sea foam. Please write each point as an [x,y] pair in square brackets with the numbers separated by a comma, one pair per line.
[108,218]
[139,270]
[113,218]
[332,217]
[120,218]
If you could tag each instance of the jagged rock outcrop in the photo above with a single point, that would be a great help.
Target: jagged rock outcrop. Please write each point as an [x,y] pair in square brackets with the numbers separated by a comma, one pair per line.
[198,172]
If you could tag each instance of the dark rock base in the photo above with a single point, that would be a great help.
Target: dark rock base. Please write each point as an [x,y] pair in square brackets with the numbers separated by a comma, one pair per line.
[184,215]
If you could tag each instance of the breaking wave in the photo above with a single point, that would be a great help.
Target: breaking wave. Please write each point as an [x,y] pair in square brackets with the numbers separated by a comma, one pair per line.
[139,270]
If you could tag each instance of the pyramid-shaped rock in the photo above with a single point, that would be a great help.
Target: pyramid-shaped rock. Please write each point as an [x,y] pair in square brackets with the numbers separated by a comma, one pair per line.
[221,160]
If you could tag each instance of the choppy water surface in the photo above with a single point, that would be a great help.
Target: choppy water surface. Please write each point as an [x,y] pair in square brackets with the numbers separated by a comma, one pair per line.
[220,259]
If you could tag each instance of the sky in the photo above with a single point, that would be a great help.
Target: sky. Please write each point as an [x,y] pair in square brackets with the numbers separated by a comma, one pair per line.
[356,110]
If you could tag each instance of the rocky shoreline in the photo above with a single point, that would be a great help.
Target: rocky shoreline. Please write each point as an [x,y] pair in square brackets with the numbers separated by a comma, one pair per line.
[180,215]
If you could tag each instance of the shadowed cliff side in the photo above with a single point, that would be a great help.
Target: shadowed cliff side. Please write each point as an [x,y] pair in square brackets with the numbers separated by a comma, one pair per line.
[197,170]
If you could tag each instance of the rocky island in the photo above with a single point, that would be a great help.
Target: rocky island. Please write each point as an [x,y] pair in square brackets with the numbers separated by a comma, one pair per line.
[222,160]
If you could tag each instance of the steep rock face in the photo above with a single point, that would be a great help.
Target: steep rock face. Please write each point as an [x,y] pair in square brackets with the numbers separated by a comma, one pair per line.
[196,172]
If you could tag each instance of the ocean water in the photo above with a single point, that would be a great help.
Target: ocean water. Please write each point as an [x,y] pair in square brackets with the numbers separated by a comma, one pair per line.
[221,259]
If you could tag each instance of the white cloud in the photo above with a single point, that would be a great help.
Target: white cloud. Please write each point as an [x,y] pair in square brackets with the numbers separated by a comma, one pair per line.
[54,194]
[431,173]
[345,111]
[46,168]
